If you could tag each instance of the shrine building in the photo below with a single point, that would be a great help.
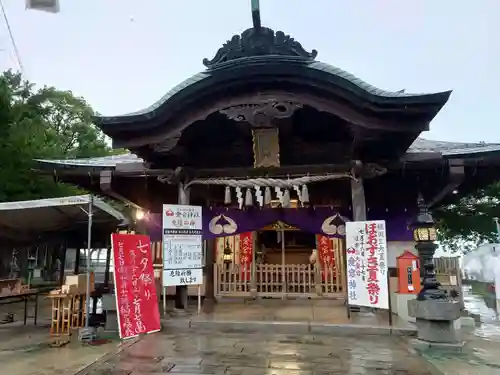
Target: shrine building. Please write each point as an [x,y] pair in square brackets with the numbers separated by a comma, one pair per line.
[280,150]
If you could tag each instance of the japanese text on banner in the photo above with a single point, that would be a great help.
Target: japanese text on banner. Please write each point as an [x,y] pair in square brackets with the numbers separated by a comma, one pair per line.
[367,264]
[134,285]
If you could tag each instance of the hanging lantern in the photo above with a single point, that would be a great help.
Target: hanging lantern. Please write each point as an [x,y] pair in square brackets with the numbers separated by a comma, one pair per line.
[227,195]
[227,255]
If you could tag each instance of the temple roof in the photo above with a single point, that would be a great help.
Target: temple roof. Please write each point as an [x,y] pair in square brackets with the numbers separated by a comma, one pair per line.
[447,149]
[259,58]
[343,76]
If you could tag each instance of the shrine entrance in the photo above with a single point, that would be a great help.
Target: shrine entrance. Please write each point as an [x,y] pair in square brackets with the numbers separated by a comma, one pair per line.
[279,261]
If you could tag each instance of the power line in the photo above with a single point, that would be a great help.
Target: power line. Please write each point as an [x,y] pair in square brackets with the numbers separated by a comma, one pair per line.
[12,40]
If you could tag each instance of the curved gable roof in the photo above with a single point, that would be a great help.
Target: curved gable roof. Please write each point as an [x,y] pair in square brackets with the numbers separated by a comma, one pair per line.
[257,52]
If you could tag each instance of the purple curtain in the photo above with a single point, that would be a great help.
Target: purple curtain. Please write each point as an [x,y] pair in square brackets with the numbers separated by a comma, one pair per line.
[219,222]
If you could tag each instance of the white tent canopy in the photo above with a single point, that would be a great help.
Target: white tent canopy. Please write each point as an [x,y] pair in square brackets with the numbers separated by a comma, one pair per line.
[481,263]
[24,218]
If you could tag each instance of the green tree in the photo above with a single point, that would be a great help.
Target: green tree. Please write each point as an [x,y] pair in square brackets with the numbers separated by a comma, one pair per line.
[469,222]
[41,123]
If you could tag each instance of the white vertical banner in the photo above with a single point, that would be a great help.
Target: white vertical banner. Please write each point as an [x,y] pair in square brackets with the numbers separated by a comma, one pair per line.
[366,248]
[182,245]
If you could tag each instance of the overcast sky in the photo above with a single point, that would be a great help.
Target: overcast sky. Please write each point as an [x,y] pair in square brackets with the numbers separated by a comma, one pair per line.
[123,55]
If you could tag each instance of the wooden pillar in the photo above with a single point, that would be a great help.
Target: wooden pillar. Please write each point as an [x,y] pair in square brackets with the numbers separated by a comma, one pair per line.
[181,291]
[358,204]
[209,301]
[358,193]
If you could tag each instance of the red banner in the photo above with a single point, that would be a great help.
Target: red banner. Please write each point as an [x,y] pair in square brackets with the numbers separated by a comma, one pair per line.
[326,254]
[135,290]
[246,254]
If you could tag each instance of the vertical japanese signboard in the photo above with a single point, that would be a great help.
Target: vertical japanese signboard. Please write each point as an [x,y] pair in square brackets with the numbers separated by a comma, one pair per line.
[367,282]
[326,255]
[136,299]
[182,245]
[246,255]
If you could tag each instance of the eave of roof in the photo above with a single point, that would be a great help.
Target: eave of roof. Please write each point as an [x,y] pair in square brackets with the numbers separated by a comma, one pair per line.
[342,78]
[447,149]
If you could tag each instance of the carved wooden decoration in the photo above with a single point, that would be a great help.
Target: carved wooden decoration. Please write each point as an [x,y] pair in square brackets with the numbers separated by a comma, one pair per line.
[258,42]
[261,115]
[266,148]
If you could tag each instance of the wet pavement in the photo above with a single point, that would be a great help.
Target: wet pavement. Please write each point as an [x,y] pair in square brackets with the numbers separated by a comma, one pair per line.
[260,354]
[481,354]
[27,351]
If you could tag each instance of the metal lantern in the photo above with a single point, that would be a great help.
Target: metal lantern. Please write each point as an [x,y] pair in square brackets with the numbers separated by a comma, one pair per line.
[423,226]
[228,254]
[424,234]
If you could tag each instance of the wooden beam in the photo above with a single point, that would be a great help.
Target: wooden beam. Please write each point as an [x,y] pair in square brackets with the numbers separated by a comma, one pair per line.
[105,179]
[455,178]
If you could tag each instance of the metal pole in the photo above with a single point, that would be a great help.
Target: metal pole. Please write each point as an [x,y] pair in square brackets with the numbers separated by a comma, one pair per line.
[283,261]
[495,219]
[89,245]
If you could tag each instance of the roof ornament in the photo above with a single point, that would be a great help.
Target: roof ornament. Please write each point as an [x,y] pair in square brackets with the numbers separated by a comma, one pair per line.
[259,41]
[256,13]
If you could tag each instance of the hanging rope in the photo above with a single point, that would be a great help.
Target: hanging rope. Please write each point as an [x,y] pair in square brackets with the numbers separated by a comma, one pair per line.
[271,182]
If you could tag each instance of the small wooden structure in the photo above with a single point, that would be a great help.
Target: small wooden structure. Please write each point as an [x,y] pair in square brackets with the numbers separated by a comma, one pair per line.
[68,306]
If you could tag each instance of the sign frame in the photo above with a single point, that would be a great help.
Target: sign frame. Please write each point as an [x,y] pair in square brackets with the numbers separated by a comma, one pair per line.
[182,244]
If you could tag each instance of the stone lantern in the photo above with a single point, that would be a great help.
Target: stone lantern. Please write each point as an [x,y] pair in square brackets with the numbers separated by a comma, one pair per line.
[425,235]
[435,314]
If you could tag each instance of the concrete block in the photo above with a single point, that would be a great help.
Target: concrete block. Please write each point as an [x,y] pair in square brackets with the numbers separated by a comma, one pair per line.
[400,305]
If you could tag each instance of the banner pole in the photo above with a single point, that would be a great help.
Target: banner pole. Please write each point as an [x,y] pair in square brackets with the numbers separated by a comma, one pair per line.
[283,297]
[199,299]
[389,299]
[164,301]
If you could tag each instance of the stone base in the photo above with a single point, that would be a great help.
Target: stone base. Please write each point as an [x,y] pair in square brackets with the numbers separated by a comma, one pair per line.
[422,345]
[437,331]
[435,320]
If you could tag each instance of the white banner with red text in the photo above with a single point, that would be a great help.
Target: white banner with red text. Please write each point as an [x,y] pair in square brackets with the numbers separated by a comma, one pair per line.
[366,248]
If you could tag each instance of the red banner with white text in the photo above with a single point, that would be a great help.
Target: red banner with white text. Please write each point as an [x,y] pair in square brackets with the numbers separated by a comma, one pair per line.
[326,254]
[136,299]
[246,254]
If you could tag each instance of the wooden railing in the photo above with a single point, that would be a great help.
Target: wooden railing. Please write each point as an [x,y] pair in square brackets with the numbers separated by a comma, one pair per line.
[276,280]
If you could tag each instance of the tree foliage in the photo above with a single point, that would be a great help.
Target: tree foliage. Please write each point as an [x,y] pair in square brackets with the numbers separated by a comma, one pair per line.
[469,222]
[41,123]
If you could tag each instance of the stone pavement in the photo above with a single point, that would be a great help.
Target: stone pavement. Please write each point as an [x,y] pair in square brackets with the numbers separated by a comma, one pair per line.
[259,354]
[26,350]
[480,356]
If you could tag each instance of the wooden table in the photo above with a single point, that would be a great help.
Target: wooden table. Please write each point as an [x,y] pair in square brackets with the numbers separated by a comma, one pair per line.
[22,296]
